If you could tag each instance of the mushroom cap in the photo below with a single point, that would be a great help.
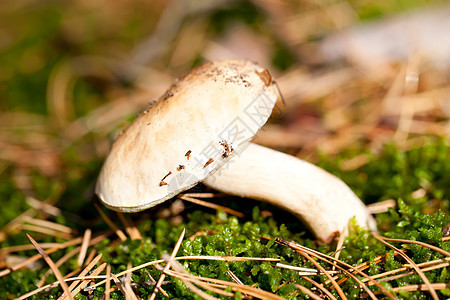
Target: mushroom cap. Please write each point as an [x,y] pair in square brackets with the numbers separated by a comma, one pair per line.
[204,119]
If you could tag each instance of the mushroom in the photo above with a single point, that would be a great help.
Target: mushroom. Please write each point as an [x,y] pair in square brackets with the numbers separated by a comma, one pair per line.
[200,131]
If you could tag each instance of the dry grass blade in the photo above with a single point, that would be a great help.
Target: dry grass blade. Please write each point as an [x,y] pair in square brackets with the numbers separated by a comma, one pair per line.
[445,238]
[212,205]
[320,287]
[308,292]
[84,246]
[52,266]
[174,253]
[419,272]
[110,223]
[130,228]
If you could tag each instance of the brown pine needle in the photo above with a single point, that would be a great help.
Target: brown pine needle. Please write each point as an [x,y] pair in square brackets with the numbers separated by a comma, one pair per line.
[43,206]
[340,244]
[437,249]
[320,287]
[52,266]
[108,283]
[127,284]
[445,238]
[84,246]
[381,207]
[234,286]
[119,285]
[422,287]
[174,253]
[419,272]
[38,256]
[332,261]
[333,282]
[160,289]
[85,271]
[429,265]
[46,231]
[305,271]
[90,257]
[96,272]
[59,263]
[308,292]
[110,223]
[220,258]
[49,224]
[180,269]
[18,248]
[68,255]
[212,205]
[130,228]
[200,195]
[234,277]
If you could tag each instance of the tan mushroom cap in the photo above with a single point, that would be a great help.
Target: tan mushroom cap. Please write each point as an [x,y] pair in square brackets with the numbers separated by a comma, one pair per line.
[201,121]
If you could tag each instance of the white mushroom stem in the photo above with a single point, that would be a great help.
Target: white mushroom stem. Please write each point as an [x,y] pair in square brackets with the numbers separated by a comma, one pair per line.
[324,202]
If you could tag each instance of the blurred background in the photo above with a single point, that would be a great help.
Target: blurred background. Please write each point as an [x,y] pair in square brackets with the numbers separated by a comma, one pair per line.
[354,74]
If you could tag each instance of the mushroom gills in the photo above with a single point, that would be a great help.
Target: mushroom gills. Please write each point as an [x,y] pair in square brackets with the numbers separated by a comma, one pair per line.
[321,200]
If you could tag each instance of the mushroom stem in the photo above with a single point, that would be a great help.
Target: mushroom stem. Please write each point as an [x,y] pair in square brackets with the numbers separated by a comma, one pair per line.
[320,199]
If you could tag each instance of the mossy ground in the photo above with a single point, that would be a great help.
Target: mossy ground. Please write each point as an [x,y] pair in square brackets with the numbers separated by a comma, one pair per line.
[418,219]
[61,62]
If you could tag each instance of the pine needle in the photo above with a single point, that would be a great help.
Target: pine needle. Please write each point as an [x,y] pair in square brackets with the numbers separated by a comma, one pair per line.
[174,253]
[419,272]
[111,224]
[52,266]
[84,246]
[212,205]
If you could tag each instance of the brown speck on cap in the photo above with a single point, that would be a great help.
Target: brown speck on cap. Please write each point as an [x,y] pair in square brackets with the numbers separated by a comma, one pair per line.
[210,161]
[265,77]
[180,167]
[188,154]
[227,149]
[161,183]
